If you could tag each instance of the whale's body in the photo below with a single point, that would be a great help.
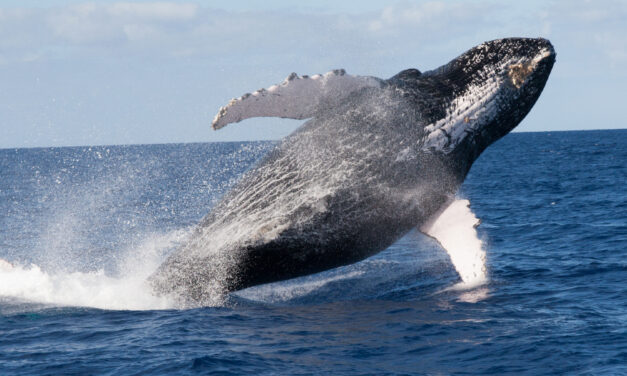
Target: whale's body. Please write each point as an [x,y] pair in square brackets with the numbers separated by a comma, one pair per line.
[378,158]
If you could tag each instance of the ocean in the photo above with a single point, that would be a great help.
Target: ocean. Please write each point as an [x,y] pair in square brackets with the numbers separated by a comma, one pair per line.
[83,227]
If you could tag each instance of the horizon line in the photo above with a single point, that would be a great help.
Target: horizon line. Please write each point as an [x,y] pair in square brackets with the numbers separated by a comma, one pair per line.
[260,140]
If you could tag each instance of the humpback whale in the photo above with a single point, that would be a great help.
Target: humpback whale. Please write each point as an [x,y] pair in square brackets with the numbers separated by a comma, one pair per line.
[377,158]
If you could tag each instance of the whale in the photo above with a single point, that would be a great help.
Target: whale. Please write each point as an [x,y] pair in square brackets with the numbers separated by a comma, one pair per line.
[375,159]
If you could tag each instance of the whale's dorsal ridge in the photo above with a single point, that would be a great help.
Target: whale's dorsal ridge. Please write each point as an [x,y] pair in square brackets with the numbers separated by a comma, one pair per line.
[406,75]
[297,97]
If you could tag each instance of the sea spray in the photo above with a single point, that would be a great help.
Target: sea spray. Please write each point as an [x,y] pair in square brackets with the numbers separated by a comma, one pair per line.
[89,289]
[125,291]
[126,288]
[284,291]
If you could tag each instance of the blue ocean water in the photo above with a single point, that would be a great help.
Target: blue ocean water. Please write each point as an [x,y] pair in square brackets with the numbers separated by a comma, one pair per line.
[79,224]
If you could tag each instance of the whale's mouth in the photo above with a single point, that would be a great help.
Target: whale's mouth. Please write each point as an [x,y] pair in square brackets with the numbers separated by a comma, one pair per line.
[519,72]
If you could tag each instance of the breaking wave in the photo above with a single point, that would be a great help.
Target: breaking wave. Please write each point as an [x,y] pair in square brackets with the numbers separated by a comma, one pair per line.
[126,289]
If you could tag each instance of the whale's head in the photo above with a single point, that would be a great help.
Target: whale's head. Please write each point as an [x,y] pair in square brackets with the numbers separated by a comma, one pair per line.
[484,93]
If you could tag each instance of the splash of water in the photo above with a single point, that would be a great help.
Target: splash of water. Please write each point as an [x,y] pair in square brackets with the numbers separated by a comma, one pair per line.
[286,290]
[91,289]
[455,228]
[127,291]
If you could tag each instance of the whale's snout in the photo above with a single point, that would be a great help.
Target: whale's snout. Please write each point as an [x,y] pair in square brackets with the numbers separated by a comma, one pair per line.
[537,66]
[521,68]
[487,91]
[532,68]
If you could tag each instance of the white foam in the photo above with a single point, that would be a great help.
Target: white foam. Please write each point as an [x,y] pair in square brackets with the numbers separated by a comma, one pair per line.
[5,265]
[93,289]
[285,291]
[126,291]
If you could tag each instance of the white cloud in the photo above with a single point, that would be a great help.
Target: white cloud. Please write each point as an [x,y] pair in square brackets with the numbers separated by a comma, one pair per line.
[593,32]
[96,23]
[428,15]
[152,65]
[172,29]
[155,11]
[166,29]
[83,23]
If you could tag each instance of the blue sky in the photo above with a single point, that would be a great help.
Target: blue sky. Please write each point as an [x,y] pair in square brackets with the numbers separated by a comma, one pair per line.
[105,72]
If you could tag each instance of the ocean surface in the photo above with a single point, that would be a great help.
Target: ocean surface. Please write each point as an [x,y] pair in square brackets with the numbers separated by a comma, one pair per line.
[83,227]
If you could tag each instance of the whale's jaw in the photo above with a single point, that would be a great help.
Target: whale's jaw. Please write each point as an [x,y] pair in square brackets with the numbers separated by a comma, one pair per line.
[525,82]
[487,91]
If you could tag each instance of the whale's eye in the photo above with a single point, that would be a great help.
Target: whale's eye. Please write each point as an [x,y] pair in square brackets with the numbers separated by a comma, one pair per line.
[519,72]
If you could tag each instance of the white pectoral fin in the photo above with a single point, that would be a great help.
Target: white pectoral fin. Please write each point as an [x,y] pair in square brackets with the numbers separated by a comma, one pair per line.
[455,228]
[298,97]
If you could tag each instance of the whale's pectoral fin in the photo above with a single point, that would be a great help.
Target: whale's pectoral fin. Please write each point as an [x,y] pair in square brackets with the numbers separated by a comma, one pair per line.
[298,97]
[455,228]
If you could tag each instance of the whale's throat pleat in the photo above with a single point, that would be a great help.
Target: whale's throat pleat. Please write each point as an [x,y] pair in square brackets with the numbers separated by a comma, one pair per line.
[465,114]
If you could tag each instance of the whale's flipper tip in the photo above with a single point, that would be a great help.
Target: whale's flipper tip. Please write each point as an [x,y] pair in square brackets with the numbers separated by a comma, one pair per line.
[454,227]
[297,97]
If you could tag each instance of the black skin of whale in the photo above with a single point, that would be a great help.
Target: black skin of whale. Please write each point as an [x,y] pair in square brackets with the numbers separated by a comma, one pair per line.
[379,198]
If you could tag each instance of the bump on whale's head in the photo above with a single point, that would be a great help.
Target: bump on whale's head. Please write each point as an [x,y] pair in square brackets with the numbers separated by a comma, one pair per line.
[486,92]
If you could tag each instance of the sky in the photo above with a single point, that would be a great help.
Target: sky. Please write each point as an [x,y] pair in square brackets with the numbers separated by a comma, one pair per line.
[107,72]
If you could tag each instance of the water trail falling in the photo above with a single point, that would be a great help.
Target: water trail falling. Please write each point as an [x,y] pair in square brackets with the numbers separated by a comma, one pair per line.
[286,290]
[455,229]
